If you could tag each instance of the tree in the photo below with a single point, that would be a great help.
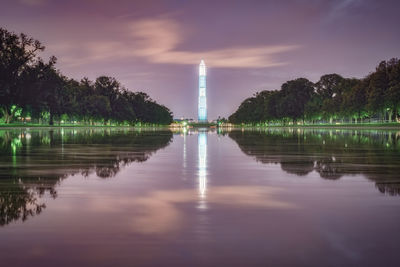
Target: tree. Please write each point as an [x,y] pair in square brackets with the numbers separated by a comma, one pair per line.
[376,88]
[331,97]
[355,100]
[98,107]
[312,110]
[18,58]
[392,94]
[270,106]
[110,88]
[329,89]
[29,86]
[295,95]
[123,111]
[52,93]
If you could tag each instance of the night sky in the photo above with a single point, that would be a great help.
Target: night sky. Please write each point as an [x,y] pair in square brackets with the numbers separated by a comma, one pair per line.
[248,46]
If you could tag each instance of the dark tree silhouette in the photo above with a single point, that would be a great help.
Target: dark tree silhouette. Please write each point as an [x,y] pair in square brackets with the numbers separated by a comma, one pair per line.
[332,98]
[39,91]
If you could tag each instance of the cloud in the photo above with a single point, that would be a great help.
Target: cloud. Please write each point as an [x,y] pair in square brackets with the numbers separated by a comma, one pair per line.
[340,8]
[158,41]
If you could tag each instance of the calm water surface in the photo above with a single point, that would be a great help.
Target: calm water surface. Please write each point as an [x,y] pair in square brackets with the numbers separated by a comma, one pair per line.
[118,197]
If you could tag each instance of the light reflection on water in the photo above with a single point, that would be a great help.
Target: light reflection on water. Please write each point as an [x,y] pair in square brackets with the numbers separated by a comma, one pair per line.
[289,197]
[202,160]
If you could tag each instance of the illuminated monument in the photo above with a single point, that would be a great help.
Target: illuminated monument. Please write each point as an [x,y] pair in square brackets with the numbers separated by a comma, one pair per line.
[202,112]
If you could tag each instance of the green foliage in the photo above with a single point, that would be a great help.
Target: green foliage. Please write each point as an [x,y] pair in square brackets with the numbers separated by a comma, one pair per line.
[294,96]
[332,98]
[31,88]
[18,63]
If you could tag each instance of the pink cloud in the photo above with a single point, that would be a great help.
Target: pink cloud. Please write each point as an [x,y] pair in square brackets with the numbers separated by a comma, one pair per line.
[158,41]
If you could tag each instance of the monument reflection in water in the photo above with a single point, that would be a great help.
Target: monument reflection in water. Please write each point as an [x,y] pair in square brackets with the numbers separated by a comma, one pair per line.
[202,167]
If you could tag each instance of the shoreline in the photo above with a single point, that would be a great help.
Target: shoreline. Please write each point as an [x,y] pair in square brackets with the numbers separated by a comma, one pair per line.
[321,126]
[2,127]
[381,126]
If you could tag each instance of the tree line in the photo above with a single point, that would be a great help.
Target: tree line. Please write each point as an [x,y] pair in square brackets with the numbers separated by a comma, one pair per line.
[332,99]
[34,90]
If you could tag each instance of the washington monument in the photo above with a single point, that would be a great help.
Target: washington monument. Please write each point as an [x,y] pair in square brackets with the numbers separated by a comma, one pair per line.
[202,109]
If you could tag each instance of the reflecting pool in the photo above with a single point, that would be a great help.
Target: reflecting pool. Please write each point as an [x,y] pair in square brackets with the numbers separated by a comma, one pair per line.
[123,197]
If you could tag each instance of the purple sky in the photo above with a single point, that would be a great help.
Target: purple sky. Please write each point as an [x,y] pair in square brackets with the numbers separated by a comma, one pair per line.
[248,46]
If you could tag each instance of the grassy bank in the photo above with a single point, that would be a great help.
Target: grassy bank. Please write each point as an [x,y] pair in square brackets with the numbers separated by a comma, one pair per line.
[33,125]
[201,125]
[388,125]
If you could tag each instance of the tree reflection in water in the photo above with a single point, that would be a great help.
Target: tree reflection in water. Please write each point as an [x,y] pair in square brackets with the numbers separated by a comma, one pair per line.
[331,153]
[33,162]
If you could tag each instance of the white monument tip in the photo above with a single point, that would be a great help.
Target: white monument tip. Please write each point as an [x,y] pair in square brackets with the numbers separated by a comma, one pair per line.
[202,62]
